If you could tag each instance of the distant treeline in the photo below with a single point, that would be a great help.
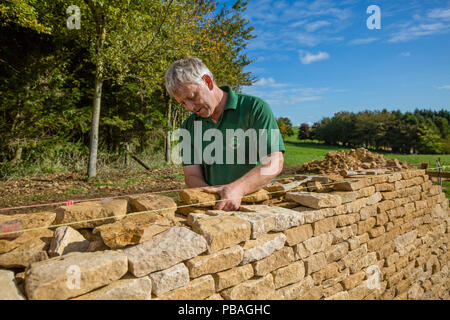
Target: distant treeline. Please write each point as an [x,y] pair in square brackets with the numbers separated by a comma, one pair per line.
[421,131]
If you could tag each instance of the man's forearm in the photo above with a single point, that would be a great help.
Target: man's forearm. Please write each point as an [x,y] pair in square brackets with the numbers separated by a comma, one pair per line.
[259,176]
[195,182]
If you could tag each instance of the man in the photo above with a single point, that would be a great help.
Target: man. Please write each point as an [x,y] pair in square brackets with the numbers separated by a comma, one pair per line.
[220,110]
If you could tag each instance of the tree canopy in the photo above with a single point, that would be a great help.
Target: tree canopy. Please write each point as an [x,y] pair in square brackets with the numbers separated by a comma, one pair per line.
[50,75]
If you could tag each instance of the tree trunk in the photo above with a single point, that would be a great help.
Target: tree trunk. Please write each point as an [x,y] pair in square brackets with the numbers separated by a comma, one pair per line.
[17,155]
[169,104]
[92,169]
[99,72]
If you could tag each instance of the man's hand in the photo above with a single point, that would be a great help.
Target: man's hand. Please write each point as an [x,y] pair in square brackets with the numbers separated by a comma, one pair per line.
[230,195]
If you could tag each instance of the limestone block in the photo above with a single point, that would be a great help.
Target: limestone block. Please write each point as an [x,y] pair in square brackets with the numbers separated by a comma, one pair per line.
[298,234]
[276,260]
[376,197]
[260,222]
[134,229]
[215,262]
[198,197]
[366,192]
[107,211]
[366,225]
[292,273]
[36,220]
[296,290]
[164,251]
[255,289]
[258,196]
[222,232]
[318,243]
[57,278]
[325,225]
[169,279]
[33,248]
[350,185]
[233,277]
[382,187]
[262,247]
[31,220]
[315,263]
[346,196]
[314,200]
[66,240]
[125,289]
[337,252]
[162,205]
[284,218]
[197,289]
[9,289]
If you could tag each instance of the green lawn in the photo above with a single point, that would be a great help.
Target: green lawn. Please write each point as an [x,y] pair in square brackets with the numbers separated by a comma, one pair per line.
[299,152]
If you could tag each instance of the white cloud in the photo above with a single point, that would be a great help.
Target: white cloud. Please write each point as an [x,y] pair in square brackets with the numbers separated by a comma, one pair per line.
[439,13]
[265,82]
[297,24]
[362,41]
[445,87]
[291,25]
[435,21]
[288,95]
[307,57]
[290,101]
[313,26]
[269,82]
[405,54]
[307,39]
[412,32]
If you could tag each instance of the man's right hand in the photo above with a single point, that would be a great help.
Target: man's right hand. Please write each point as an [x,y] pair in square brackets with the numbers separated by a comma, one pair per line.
[230,197]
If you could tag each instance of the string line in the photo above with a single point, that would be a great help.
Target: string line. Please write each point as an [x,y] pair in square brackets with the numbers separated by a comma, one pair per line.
[298,188]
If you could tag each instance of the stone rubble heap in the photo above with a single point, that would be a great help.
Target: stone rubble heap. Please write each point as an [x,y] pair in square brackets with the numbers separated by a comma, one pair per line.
[359,159]
[366,237]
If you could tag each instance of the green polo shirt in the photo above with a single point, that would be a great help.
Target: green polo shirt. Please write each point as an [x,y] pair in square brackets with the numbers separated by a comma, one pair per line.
[227,158]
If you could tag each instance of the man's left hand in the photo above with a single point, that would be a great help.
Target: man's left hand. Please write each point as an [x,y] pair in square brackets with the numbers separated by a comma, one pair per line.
[230,197]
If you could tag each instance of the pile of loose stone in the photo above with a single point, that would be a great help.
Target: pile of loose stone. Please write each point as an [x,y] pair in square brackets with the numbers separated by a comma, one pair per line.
[308,237]
[359,159]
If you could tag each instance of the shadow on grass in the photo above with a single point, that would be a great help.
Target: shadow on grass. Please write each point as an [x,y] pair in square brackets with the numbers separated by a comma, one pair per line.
[314,145]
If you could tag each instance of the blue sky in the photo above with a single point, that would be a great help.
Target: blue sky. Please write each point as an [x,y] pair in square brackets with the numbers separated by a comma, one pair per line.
[315,58]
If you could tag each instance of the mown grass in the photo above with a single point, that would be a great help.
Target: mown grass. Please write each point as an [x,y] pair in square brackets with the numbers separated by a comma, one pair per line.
[301,151]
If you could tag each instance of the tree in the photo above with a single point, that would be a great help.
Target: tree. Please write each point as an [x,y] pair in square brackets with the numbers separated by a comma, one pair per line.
[285,126]
[55,81]
[304,131]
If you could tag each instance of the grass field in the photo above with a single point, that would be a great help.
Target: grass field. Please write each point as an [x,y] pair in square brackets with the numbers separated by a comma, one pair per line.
[301,151]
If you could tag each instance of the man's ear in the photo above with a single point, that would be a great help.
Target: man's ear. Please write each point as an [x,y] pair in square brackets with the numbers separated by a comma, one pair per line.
[209,81]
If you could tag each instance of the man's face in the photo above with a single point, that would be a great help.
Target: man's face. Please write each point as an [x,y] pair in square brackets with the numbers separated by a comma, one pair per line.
[196,98]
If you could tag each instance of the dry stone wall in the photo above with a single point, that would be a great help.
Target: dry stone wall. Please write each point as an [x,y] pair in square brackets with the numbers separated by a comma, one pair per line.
[366,237]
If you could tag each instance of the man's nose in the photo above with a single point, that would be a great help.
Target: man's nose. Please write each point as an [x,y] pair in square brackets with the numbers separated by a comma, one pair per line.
[190,106]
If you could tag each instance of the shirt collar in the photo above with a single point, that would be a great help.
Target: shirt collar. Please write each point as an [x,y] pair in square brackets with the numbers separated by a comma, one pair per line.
[232,98]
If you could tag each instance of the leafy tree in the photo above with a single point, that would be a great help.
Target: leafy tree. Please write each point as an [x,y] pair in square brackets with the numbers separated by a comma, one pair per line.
[53,80]
[304,131]
[285,126]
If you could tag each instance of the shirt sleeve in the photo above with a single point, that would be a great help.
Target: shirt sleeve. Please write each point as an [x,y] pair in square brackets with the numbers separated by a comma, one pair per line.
[263,118]
[187,125]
